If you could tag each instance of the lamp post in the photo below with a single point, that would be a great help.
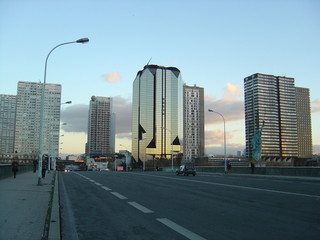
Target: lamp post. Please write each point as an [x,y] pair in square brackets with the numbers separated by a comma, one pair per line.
[224,140]
[81,40]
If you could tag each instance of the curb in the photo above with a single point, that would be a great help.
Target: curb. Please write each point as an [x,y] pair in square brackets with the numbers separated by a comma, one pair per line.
[54,229]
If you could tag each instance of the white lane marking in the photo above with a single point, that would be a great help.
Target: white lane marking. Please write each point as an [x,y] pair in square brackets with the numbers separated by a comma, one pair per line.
[183,231]
[236,186]
[99,184]
[106,188]
[118,195]
[140,207]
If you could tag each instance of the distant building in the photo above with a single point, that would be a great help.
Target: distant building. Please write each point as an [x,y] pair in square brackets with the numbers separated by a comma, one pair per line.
[101,128]
[273,100]
[157,114]
[7,122]
[193,122]
[28,118]
[304,123]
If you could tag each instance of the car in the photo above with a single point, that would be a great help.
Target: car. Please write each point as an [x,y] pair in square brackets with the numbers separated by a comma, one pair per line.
[186,169]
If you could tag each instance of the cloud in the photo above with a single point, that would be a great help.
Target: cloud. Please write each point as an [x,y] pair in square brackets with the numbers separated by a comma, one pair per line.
[123,109]
[233,91]
[76,118]
[316,105]
[230,109]
[111,77]
[231,106]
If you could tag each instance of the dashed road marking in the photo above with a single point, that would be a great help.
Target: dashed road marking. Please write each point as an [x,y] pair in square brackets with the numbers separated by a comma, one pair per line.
[118,195]
[183,231]
[106,188]
[140,207]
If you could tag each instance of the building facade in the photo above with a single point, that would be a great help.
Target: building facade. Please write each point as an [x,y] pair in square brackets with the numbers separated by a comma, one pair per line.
[7,122]
[270,101]
[193,122]
[101,128]
[304,123]
[157,114]
[28,118]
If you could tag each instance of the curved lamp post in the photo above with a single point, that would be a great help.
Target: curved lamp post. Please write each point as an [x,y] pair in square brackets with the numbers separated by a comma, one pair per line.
[224,140]
[81,40]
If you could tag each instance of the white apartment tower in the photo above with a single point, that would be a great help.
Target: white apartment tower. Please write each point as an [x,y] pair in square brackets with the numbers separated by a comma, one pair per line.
[193,122]
[7,122]
[28,118]
[101,128]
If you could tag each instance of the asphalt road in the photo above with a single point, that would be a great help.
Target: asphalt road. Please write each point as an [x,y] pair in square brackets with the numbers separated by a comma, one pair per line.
[156,205]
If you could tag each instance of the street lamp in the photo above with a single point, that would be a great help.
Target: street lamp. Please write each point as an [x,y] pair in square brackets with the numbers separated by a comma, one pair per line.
[81,40]
[68,102]
[224,139]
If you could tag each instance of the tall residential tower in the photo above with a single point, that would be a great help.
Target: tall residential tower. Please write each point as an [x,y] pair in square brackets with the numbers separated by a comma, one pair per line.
[7,122]
[28,118]
[101,128]
[193,122]
[304,122]
[273,100]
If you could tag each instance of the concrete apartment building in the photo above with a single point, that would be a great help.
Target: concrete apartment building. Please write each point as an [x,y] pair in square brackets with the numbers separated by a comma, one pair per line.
[101,128]
[193,122]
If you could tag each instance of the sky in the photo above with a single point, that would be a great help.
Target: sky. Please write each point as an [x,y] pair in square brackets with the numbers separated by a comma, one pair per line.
[214,43]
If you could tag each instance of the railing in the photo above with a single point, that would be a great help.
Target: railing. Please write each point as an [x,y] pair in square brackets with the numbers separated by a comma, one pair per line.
[6,170]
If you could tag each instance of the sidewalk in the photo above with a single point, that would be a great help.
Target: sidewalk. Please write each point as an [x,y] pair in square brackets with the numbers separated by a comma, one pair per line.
[24,206]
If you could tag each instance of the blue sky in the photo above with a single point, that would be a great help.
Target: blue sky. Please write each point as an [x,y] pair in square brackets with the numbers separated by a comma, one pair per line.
[215,44]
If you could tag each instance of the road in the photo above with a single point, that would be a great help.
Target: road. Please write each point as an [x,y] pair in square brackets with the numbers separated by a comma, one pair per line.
[156,205]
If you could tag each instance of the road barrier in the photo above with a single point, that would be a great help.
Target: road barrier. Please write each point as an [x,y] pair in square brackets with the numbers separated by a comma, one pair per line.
[6,170]
[281,171]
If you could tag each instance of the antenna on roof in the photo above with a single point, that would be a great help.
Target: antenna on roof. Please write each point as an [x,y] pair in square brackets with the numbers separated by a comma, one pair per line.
[149,61]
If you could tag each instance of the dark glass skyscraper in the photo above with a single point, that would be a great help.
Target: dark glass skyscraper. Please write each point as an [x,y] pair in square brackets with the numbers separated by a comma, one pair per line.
[157,113]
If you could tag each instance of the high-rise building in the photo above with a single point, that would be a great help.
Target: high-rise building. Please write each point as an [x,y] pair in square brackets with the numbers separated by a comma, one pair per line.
[157,114]
[101,128]
[271,100]
[7,122]
[193,122]
[304,122]
[28,118]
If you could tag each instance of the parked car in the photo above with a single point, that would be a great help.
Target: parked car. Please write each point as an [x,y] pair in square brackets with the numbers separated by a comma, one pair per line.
[186,169]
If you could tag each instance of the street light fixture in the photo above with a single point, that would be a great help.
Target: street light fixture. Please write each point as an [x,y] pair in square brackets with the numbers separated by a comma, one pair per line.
[68,102]
[224,140]
[81,40]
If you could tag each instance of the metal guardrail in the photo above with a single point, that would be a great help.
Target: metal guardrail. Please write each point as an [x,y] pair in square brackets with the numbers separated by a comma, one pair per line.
[6,170]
